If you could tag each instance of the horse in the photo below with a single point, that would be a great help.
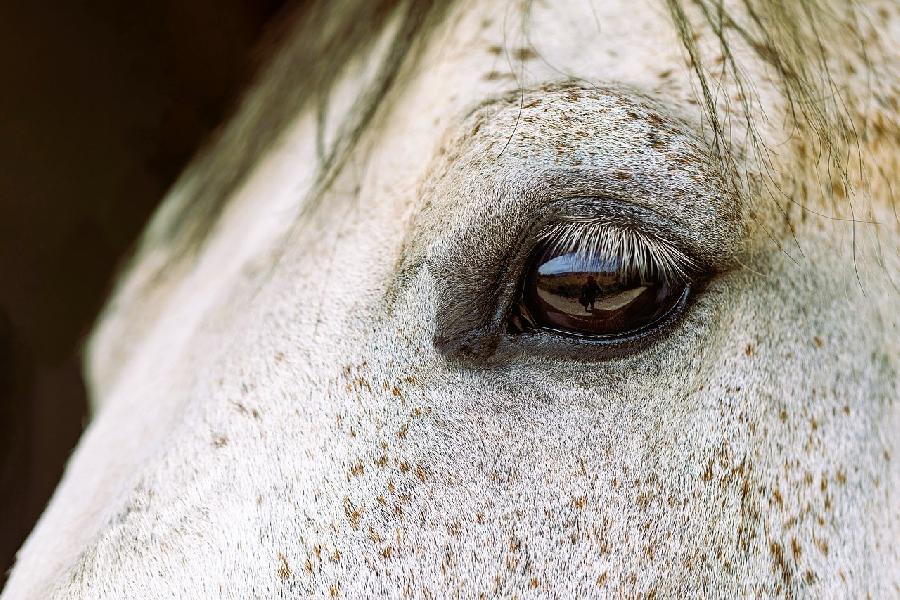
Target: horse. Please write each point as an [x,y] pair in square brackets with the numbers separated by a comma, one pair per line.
[347,358]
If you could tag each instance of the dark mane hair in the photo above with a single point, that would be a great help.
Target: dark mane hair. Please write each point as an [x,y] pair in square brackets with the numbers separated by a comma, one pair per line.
[316,41]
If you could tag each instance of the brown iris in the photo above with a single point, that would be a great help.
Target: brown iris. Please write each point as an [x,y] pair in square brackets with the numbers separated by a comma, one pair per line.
[594,296]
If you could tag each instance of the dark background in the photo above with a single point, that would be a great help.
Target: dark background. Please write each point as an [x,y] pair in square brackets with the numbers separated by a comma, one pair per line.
[102,103]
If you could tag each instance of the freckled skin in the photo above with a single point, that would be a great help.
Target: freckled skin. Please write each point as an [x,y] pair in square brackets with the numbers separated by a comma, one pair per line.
[283,424]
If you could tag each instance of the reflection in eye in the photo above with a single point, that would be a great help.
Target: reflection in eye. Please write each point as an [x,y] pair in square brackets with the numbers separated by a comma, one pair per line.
[600,282]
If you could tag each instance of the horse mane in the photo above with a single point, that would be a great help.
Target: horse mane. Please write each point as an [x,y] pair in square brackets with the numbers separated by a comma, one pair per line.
[308,55]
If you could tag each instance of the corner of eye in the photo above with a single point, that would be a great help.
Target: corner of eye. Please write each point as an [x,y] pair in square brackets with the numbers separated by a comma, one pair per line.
[465,350]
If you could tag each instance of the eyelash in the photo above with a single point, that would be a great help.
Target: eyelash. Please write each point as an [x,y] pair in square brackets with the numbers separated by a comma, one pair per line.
[641,253]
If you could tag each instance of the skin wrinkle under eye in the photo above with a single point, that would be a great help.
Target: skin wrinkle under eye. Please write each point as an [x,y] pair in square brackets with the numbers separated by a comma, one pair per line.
[613,145]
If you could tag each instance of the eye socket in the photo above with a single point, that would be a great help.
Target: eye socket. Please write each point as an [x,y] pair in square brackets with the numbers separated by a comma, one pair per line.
[597,295]
[644,268]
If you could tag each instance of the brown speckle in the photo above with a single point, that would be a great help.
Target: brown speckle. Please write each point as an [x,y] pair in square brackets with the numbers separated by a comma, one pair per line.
[818,341]
[497,75]
[524,53]
[375,536]
[780,564]
[643,500]
[284,571]
[796,550]
[220,441]
[776,494]
[655,141]
[353,513]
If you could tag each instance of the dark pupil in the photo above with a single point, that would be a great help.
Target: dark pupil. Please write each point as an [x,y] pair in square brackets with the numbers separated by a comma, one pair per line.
[594,296]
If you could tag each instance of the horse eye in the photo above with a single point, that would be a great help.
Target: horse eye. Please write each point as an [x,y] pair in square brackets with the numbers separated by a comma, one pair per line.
[594,296]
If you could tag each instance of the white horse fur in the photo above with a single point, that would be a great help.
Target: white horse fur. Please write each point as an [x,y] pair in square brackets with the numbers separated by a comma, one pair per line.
[284,414]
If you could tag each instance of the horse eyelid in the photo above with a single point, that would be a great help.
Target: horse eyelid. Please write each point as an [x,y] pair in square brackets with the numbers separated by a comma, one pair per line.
[475,312]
